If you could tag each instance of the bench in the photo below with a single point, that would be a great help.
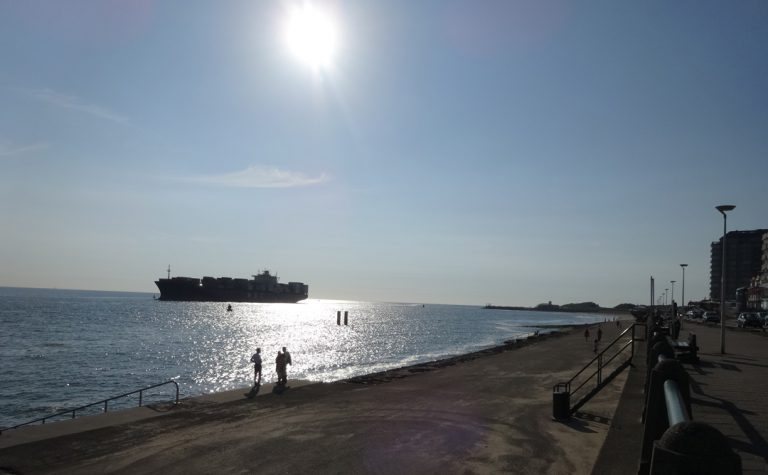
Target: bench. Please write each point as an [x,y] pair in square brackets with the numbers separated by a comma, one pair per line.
[686,350]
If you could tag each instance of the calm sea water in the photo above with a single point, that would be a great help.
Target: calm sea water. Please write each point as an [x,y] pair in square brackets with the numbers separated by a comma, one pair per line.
[61,349]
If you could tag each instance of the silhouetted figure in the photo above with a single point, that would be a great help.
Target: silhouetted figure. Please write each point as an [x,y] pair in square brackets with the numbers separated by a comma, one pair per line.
[618,324]
[599,333]
[256,360]
[287,356]
[586,334]
[229,308]
[280,369]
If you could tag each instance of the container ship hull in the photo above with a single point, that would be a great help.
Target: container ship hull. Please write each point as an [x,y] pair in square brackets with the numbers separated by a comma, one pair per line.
[262,288]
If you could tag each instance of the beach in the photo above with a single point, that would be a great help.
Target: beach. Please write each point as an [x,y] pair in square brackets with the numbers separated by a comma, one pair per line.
[490,411]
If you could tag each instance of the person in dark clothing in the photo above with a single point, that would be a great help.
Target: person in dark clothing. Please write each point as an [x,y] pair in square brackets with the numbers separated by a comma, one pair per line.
[256,360]
[280,368]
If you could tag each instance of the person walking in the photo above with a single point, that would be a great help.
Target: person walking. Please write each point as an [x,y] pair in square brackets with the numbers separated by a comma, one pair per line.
[256,360]
[287,356]
[280,362]
[599,333]
[586,334]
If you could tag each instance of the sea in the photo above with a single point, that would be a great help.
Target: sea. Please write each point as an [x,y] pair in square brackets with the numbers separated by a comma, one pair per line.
[62,349]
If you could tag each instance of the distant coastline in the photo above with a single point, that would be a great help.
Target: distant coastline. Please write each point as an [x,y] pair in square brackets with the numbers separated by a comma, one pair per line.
[584,307]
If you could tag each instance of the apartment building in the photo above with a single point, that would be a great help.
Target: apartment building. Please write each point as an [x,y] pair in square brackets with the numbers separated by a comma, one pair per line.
[745,256]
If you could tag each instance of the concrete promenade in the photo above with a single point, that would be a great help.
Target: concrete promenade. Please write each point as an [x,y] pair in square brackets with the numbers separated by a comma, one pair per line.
[729,392]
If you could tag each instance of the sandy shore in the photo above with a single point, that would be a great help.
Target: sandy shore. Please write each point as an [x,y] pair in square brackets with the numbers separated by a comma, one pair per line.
[489,411]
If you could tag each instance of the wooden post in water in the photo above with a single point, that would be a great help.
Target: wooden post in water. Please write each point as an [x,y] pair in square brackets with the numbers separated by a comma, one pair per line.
[338,317]
[346,314]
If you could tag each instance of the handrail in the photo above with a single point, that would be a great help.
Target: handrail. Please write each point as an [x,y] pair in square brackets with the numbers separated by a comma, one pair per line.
[669,445]
[601,365]
[599,355]
[105,402]
[676,410]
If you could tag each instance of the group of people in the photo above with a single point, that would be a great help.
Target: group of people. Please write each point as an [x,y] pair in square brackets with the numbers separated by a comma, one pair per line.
[599,335]
[597,338]
[281,366]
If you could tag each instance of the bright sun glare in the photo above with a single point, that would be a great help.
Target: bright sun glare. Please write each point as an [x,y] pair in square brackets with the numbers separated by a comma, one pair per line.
[311,34]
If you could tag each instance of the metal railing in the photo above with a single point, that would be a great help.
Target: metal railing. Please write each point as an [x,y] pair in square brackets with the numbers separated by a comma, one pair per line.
[600,362]
[105,402]
[672,440]
[673,398]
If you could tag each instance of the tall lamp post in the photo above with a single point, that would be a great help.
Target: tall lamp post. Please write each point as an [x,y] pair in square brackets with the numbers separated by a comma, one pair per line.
[723,209]
[672,299]
[682,299]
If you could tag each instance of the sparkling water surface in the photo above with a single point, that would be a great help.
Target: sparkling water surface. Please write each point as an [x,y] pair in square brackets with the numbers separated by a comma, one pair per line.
[60,349]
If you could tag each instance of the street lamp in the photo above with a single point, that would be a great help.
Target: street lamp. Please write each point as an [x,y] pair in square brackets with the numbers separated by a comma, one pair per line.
[723,209]
[683,266]
[682,299]
[672,300]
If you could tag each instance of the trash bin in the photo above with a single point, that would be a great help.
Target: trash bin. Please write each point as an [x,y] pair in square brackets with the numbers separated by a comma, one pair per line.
[561,403]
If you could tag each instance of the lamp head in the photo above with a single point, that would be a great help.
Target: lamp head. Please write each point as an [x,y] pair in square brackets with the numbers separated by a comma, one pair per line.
[683,265]
[724,208]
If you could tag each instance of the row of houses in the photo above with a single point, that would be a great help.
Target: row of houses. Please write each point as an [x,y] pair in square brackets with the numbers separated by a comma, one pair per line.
[746,268]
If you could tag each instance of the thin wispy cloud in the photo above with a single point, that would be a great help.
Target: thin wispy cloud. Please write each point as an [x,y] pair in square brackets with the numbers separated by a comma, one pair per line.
[258,177]
[77,104]
[8,148]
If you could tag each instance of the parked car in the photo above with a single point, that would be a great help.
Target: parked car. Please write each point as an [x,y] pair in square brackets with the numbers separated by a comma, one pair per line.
[694,314]
[749,319]
[711,317]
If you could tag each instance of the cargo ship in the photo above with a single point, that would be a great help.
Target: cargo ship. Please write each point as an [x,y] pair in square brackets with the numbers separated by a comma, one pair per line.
[261,288]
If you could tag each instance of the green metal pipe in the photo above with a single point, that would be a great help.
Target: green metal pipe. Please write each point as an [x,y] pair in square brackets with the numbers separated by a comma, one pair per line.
[676,411]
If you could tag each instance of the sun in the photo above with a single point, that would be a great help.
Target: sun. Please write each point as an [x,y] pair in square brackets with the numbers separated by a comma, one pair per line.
[312,36]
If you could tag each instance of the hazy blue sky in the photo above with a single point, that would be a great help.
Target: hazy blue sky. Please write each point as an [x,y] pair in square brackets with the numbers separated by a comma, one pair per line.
[511,152]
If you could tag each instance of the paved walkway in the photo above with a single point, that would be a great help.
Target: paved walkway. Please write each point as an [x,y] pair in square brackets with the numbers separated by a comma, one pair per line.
[728,392]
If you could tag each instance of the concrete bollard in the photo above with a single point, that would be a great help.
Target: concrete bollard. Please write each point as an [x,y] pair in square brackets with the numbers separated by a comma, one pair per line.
[655,411]
[659,346]
[652,357]
[694,447]
[694,346]
[346,317]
